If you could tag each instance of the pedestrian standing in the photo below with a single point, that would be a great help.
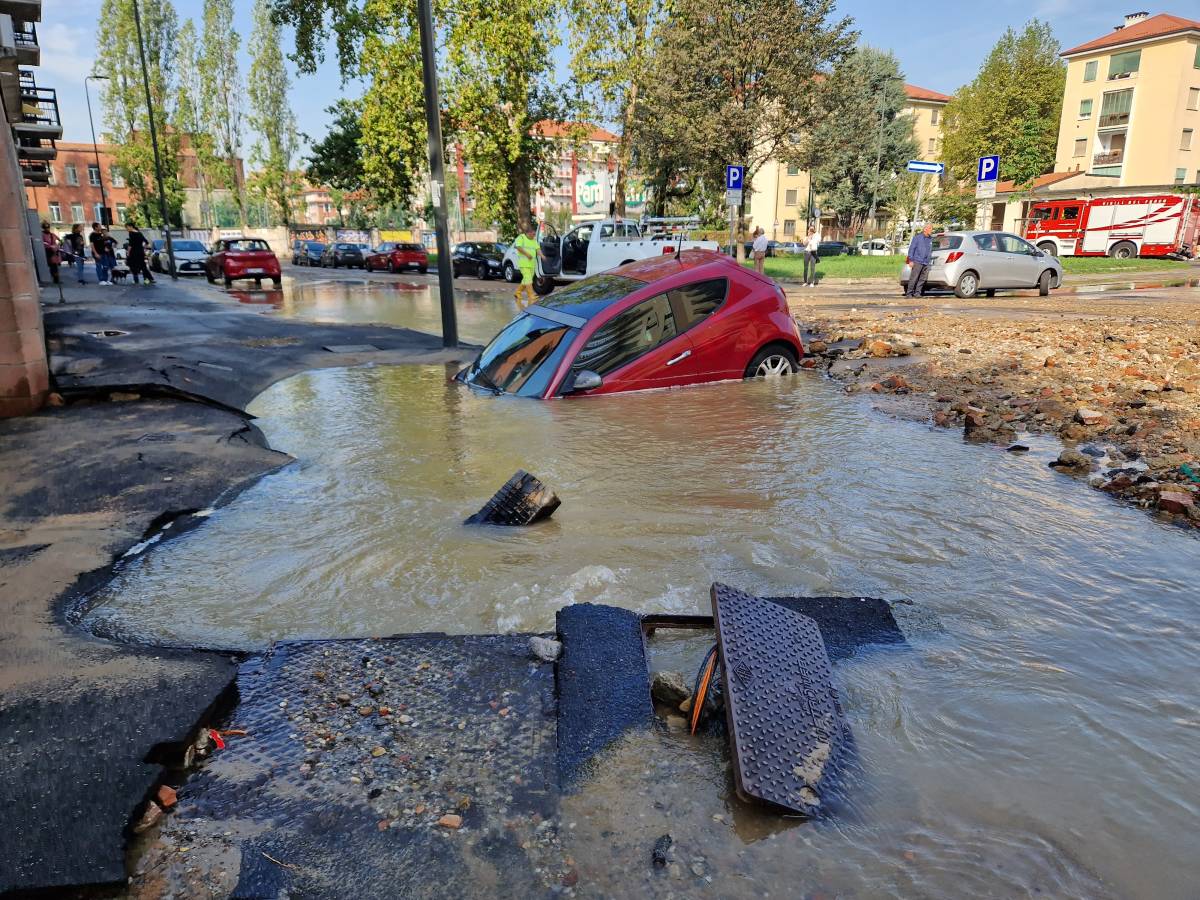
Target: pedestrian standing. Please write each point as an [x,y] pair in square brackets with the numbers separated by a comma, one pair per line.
[50,243]
[77,247]
[811,246]
[920,255]
[759,249]
[135,253]
[99,242]
[527,256]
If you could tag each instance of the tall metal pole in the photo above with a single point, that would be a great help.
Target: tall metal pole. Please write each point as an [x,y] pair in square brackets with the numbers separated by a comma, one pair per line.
[96,147]
[162,191]
[437,173]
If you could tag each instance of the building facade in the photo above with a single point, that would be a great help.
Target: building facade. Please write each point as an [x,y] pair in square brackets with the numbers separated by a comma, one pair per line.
[1131,105]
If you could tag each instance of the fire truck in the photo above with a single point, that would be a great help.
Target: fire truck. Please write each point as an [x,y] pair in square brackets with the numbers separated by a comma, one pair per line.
[1165,225]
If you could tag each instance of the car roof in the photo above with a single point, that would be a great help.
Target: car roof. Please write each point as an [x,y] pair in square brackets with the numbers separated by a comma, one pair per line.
[657,268]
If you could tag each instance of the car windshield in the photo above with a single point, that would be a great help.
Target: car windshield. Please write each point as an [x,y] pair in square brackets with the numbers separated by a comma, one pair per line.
[947,242]
[590,296]
[522,358]
[248,245]
[487,247]
[315,245]
[1040,213]
[187,246]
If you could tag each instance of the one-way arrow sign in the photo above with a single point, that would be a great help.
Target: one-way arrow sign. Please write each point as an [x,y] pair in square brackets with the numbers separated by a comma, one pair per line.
[926,168]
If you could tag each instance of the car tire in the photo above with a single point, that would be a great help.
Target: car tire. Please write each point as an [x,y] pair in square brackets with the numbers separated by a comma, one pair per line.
[422,269]
[772,362]
[1044,282]
[1123,250]
[990,292]
[967,286]
[278,282]
[453,270]
[228,281]
[1048,247]
[209,275]
[481,271]
[335,262]
[510,273]
[542,286]
[392,266]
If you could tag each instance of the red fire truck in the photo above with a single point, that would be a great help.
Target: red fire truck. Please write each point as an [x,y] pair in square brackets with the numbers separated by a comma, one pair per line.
[1121,227]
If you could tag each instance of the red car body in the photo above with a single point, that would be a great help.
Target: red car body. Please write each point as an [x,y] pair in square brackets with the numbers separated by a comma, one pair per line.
[658,323]
[397,258]
[237,258]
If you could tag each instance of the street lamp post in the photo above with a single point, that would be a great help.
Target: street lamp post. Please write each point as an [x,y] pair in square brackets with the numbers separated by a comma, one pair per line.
[105,212]
[162,191]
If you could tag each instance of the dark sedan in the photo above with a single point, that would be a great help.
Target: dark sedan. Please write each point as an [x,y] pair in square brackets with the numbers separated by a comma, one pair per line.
[343,254]
[483,259]
[307,253]
[832,248]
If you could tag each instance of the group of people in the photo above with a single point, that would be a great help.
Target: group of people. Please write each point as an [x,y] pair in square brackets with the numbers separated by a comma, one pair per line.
[72,249]
[758,250]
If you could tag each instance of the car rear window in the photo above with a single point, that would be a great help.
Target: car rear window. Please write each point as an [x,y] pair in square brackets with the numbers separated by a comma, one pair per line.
[630,334]
[249,245]
[412,248]
[591,295]
[947,242]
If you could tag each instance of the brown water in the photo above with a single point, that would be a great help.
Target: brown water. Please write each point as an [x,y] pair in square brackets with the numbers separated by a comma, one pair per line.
[1045,741]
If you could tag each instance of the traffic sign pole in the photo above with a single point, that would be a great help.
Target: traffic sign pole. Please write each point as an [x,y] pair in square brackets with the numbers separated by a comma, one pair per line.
[920,196]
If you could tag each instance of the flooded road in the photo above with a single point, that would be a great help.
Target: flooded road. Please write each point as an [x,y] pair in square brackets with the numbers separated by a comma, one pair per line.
[1042,741]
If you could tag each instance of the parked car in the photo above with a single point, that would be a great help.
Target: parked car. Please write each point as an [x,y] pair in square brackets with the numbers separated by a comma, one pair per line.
[876,247]
[483,259]
[968,262]
[832,248]
[189,256]
[240,257]
[785,248]
[396,257]
[655,323]
[509,265]
[309,253]
[342,253]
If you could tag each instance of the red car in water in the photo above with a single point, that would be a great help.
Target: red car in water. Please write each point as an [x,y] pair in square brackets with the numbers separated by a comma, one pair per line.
[397,258]
[663,322]
[236,258]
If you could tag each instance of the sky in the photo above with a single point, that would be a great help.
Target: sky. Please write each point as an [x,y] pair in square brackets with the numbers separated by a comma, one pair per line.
[940,48]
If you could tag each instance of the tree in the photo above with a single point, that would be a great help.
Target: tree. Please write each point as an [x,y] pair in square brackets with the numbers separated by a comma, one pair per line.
[612,44]
[733,82]
[221,93]
[124,98]
[336,159]
[1011,108]
[862,139]
[188,122]
[271,118]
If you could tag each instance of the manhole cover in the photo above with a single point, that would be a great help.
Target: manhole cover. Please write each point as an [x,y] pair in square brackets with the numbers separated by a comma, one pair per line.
[351,348]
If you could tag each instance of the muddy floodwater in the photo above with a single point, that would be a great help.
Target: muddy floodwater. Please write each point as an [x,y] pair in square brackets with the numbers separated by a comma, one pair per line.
[1042,738]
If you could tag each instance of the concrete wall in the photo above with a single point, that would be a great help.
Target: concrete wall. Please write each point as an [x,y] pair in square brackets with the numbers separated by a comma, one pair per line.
[24,377]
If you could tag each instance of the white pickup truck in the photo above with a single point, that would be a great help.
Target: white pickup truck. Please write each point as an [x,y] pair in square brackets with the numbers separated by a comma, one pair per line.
[597,246]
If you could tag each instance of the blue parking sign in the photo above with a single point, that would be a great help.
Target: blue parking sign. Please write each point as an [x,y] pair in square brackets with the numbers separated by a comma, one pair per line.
[735,177]
[989,168]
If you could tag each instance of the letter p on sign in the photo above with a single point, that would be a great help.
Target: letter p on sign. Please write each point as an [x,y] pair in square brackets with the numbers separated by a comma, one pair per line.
[989,168]
[734,176]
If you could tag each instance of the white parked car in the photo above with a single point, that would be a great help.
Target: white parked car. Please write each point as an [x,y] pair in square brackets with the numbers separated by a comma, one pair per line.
[876,247]
[189,256]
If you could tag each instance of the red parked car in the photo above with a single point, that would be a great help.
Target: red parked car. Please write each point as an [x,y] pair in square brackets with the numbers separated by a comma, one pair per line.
[397,258]
[660,322]
[238,257]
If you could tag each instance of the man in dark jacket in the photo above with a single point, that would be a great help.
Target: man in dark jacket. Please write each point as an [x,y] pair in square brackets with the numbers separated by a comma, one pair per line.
[920,255]
[135,256]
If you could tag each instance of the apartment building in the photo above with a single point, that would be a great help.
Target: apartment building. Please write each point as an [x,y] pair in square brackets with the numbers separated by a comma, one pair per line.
[1131,105]
[779,199]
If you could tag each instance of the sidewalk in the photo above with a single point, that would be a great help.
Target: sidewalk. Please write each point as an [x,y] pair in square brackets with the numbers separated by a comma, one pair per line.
[151,429]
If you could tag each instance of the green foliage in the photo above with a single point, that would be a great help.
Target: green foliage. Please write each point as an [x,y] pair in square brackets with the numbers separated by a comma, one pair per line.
[336,159]
[1011,108]
[126,118]
[221,110]
[951,205]
[272,119]
[187,120]
[862,138]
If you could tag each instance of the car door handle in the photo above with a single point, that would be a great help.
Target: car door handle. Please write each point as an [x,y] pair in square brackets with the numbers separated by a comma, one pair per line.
[680,358]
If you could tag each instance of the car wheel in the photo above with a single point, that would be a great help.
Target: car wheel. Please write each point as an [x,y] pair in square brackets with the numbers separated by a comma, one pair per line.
[1048,247]
[210,277]
[968,285]
[1044,283]
[277,281]
[542,285]
[453,270]
[1123,250]
[335,262]
[422,269]
[772,362]
[228,281]
[392,266]
[990,292]
[510,273]
[481,271]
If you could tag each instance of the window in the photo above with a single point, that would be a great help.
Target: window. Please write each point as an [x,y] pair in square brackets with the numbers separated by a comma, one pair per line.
[789,198]
[933,117]
[76,212]
[793,169]
[94,175]
[629,335]
[1114,109]
[50,179]
[1080,147]
[1180,176]
[789,227]
[1186,142]
[1121,65]
[696,302]
[1013,244]
[115,177]
[933,145]
[72,173]
[1196,61]
[56,212]
[1071,213]
[1194,98]
[992,243]
[522,358]
[97,215]
[120,212]
[1089,70]
[1085,109]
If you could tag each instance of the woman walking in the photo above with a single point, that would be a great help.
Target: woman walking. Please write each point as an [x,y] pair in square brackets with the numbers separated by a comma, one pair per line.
[51,243]
[135,255]
[77,247]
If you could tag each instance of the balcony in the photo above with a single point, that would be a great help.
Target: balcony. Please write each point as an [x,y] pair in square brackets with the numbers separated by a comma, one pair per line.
[1111,158]
[22,10]
[35,172]
[26,40]
[1114,120]
[39,112]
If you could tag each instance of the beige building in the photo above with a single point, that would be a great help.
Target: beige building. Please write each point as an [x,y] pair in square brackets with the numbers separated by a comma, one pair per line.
[1131,105]
[779,193]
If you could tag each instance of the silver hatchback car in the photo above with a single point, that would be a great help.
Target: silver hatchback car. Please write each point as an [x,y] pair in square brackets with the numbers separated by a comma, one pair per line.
[969,262]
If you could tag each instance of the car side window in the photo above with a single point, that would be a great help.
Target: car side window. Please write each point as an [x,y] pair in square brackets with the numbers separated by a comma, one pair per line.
[988,242]
[1013,244]
[696,302]
[1070,213]
[630,334]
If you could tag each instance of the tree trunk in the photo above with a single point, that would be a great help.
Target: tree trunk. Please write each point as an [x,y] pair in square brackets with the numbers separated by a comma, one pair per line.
[624,149]
[520,184]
